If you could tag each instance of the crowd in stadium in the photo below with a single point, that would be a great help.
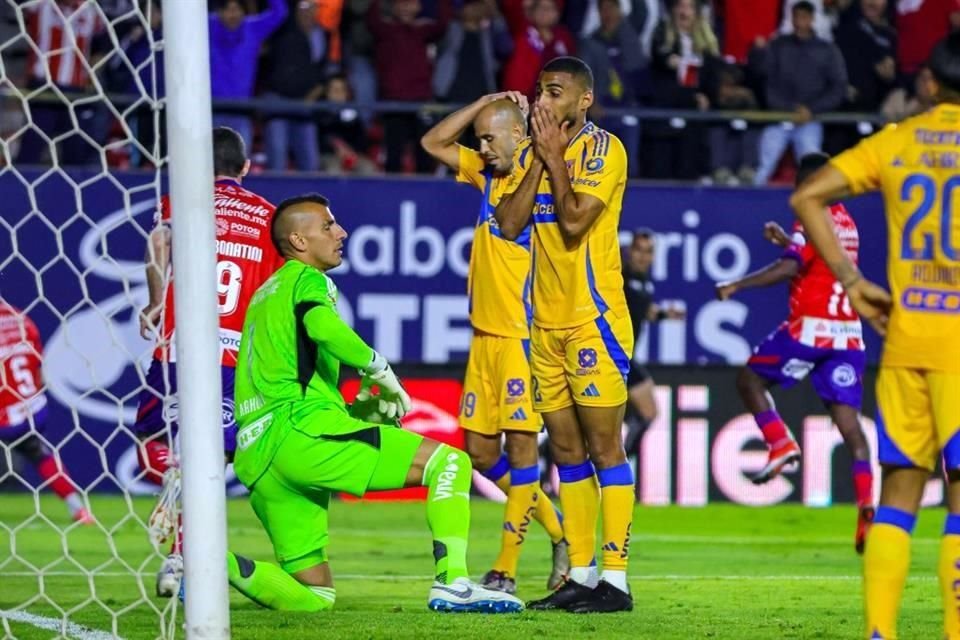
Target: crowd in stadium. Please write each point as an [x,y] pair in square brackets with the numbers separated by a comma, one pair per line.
[797,57]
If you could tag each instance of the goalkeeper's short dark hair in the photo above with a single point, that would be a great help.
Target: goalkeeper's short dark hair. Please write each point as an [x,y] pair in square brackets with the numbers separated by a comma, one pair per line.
[229,152]
[278,235]
[576,67]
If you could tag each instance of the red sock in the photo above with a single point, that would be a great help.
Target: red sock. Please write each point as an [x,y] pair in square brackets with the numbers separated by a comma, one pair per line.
[154,459]
[177,546]
[863,482]
[59,481]
[772,427]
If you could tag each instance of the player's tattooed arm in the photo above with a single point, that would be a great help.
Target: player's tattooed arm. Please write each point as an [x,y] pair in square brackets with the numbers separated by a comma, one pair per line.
[576,212]
[156,261]
[441,141]
[773,273]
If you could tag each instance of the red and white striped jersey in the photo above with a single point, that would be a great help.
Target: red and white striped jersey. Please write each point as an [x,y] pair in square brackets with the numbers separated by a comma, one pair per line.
[63,31]
[246,257]
[21,380]
[820,312]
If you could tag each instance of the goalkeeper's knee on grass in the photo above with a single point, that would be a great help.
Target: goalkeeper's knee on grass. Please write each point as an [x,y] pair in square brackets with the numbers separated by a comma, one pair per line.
[270,586]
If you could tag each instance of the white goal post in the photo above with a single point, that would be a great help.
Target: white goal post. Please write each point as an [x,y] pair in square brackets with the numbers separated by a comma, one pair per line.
[187,62]
[73,230]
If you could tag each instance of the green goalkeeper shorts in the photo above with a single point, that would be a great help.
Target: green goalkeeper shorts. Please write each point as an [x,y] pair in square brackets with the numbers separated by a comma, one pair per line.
[292,497]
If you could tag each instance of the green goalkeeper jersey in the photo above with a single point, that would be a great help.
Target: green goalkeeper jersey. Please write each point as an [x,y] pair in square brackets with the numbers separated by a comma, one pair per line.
[288,367]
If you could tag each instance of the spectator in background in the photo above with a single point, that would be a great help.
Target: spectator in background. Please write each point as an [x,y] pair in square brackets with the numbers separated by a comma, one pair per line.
[295,71]
[148,65]
[358,55]
[804,75]
[536,41]
[682,45]
[869,48]
[343,137]
[235,42]
[900,104]
[920,24]
[744,22]
[643,16]
[613,53]
[471,52]
[822,26]
[328,14]
[67,39]
[405,72]
[733,144]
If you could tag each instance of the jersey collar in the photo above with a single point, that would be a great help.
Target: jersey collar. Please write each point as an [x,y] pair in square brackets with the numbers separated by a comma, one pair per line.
[587,129]
[226,181]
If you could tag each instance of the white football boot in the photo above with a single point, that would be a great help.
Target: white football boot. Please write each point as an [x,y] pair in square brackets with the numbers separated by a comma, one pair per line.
[464,596]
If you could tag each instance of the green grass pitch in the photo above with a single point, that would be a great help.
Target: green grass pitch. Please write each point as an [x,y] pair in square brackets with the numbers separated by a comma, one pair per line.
[716,572]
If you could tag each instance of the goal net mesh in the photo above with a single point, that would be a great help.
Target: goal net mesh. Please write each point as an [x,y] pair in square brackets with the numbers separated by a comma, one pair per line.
[81,171]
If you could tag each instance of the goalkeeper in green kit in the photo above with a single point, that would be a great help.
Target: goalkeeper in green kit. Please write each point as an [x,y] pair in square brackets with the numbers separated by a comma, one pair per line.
[299,442]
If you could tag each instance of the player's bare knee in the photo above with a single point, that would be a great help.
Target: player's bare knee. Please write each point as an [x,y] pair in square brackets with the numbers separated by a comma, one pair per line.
[484,451]
[607,454]
[521,449]
[748,383]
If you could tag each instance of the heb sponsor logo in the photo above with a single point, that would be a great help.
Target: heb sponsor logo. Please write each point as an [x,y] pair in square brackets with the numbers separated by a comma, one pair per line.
[931,300]
[245,230]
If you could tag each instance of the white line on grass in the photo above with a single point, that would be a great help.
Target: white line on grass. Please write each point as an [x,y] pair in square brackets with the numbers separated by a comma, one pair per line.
[410,578]
[56,624]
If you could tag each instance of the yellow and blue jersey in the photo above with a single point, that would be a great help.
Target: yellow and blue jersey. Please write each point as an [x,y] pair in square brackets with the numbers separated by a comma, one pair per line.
[498,282]
[575,285]
[916,166]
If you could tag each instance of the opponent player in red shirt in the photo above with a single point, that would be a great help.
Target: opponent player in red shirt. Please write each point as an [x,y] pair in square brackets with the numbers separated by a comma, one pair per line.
[245,259]
[822,337]
[23,406]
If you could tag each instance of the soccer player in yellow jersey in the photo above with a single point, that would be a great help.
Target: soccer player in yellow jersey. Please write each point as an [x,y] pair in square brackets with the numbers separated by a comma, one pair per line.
[496,391]
[570,180]
[916,166]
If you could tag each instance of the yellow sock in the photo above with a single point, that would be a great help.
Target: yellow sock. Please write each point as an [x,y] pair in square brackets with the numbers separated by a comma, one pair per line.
[522,498]
[580,501]
[885,565]
[546,513]
[949,571]
[616,499]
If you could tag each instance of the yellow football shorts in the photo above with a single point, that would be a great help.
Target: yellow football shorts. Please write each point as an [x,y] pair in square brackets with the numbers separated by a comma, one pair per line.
[496,389]
[918,416]
[585,365]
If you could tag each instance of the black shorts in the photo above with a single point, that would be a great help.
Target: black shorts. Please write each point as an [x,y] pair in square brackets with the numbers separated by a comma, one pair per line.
[638,374]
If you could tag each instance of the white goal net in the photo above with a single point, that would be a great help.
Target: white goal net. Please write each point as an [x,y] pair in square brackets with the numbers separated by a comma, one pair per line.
[82,166]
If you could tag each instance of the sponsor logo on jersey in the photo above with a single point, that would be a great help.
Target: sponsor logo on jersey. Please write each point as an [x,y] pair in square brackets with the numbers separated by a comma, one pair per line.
[249,434]
[844,376]
[931,300]
[244,229]
[594,165]
[222,227]
[236,204]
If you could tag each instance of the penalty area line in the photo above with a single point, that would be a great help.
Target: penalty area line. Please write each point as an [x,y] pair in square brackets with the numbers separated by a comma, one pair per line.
[70,629]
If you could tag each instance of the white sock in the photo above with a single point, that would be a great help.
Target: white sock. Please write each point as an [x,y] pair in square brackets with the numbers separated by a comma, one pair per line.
[587,576]
[616,578]
[74,503]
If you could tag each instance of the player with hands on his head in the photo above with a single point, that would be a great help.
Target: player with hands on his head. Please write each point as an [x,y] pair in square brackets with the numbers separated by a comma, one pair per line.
[497,396]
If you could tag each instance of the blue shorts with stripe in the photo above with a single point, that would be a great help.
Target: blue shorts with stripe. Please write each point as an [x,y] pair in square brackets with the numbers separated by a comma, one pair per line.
[585,365]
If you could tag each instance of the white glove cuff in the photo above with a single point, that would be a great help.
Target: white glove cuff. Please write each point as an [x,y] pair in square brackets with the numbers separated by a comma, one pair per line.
[377,364]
